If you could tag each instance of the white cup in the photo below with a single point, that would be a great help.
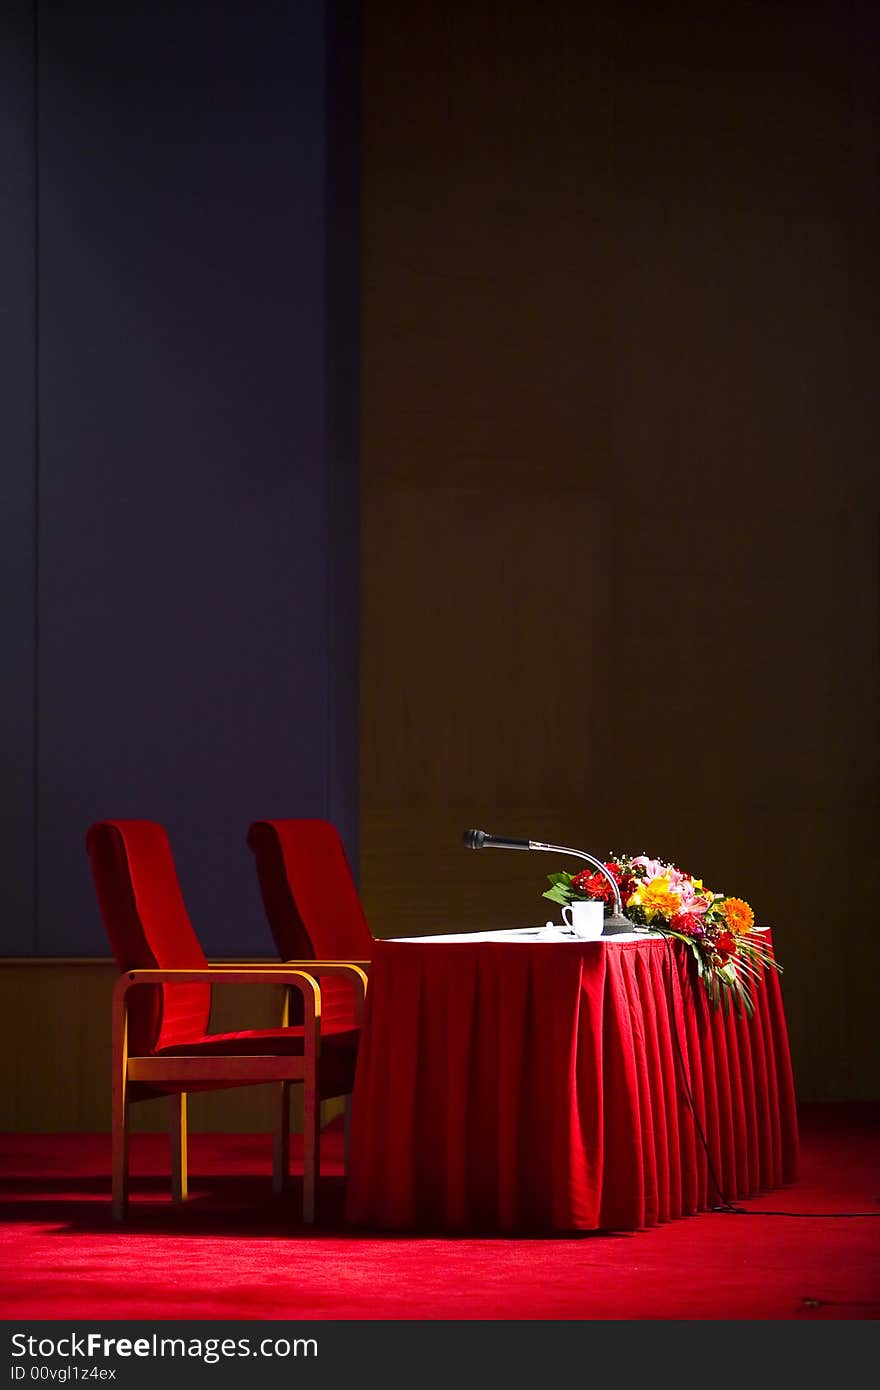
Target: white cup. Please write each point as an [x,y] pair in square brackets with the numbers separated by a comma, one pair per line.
[586,919]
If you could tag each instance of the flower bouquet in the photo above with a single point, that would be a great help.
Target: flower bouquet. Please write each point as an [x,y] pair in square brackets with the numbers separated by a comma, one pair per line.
[719,930]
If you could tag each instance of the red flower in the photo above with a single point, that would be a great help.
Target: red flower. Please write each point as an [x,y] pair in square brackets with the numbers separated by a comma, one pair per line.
[725,945]
[690,923]
[596,885]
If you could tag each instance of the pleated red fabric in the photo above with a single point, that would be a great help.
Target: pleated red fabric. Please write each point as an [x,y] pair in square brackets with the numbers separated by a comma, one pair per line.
[532,1086]
[148,925]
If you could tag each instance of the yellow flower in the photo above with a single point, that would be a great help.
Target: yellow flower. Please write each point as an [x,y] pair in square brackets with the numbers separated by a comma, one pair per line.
[655,898]
[738,915]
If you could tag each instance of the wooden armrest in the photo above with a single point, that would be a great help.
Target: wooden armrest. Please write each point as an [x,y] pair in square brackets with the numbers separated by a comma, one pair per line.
[356,969]
[229,974]
[273,974]
[297,976]
[327,967]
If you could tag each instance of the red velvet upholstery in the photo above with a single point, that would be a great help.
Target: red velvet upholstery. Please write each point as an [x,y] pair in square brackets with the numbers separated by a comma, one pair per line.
[161,1011]
[312,903]
[148,925]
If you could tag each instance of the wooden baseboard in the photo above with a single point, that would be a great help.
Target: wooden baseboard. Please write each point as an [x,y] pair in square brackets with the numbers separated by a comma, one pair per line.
[55,1045]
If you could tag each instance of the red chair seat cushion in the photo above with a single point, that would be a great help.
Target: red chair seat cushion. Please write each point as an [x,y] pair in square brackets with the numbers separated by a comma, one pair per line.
[258,1042]
[338,1052]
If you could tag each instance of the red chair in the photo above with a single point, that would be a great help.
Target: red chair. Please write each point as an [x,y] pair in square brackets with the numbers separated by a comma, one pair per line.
[162,1004]
[312,903]
[314,910]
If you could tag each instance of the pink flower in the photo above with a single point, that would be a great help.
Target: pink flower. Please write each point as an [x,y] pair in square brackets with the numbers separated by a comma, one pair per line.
[691,901]
[653,868]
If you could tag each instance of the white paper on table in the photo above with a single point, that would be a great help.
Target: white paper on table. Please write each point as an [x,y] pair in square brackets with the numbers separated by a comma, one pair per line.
[553,934]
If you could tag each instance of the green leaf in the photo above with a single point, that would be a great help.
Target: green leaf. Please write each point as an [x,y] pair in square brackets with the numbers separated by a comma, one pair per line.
[559,894]
[556,879]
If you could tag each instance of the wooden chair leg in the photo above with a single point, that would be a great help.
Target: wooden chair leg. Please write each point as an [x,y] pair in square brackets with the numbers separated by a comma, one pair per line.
[119,1147]
[119,1111]
[179,1175]
[311,1149]
[346,1150]
[281,1140]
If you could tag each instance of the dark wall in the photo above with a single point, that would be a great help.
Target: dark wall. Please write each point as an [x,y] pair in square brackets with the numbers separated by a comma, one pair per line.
[620,482]
[181,423]
[17,469]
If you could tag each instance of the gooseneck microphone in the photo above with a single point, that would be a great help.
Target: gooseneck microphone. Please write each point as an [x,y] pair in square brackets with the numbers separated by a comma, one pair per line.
[615,923]
[478,839]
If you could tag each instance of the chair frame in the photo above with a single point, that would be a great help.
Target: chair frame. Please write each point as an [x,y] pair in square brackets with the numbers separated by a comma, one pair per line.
[240,1069]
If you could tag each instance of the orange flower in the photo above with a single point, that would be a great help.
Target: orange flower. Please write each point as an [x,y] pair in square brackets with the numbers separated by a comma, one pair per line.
[738,915]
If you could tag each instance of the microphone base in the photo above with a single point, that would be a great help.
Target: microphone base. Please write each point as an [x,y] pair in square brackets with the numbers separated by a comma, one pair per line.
[615,925]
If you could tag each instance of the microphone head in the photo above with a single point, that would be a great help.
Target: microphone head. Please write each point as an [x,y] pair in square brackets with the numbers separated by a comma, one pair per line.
[473,839]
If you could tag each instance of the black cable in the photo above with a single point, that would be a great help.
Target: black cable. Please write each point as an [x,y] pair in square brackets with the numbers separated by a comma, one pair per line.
[726,1206]
[821,1215]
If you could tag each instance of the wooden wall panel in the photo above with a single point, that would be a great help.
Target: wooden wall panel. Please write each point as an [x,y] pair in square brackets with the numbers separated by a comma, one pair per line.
[619,486]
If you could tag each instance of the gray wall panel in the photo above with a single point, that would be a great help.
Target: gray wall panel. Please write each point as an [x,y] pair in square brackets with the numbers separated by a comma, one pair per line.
[18,478]
[188,638]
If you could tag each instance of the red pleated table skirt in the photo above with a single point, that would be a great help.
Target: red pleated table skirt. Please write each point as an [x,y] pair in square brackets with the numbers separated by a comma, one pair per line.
[536,1086]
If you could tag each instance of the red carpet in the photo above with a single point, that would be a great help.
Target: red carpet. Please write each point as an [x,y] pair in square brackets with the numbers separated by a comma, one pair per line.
[233,1251]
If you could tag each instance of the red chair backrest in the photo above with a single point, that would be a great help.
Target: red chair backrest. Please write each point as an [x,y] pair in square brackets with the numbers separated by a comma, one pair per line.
[312,902]
[148,925]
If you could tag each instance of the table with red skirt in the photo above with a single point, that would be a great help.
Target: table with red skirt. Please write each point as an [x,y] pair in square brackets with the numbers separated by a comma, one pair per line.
[511,1082]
